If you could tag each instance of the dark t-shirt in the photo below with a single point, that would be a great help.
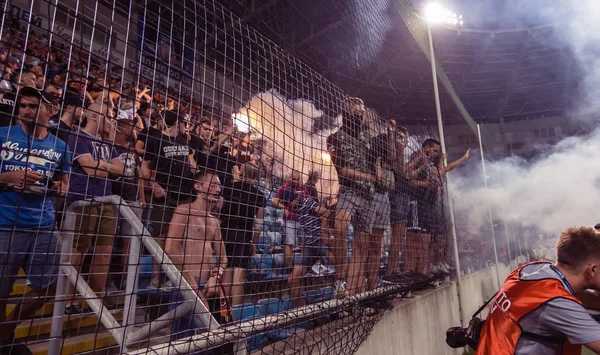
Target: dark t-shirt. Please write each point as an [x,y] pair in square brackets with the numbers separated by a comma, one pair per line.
[81,185]
[378,147]
[202,151]
[242,201]
[244,153]
[148,134]
[7,105]
[223,165]
[126,185]
[170,159]
[60,129]
[352,152]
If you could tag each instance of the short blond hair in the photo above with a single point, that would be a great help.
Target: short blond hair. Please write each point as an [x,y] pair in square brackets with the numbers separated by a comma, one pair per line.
[577,246]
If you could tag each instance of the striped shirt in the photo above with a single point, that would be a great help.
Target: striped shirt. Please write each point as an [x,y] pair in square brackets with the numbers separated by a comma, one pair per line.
[309,220]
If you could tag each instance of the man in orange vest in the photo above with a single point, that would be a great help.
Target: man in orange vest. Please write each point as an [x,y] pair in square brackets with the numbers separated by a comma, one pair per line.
[536,310]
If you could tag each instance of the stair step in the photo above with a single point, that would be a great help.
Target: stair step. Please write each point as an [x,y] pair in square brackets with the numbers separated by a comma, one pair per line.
[42,326]
[77,344]
[20,288]
[46,310]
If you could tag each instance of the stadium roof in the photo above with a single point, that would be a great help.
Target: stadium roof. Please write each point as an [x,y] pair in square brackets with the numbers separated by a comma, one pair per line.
[367,49]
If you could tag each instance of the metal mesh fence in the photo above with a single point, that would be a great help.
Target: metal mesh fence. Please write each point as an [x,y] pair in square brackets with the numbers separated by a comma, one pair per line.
[173,181]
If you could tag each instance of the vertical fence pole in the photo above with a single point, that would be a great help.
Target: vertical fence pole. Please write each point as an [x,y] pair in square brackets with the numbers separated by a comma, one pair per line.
[448,195]
[498,281]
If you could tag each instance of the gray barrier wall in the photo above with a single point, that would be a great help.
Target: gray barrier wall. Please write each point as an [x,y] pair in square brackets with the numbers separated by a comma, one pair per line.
[418,325]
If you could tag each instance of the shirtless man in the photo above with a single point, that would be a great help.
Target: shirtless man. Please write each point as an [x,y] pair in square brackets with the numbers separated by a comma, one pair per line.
[193,235]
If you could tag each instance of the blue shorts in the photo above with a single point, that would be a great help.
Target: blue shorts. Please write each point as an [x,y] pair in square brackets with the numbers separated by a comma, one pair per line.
[188,325]
[311,253]
[36,251]
[401,211]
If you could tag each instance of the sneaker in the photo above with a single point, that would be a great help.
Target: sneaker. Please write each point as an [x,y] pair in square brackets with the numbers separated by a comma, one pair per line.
[73,309]
[111,288]
[328,269]
[341,289]
[154,285]
[167,287]
[444,269]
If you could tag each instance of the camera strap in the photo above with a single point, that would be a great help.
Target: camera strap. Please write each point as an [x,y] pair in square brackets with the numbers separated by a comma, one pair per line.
[484,305]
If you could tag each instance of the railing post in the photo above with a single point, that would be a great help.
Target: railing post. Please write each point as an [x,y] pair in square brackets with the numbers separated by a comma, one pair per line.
[61,284]
[69,274]
[132,280]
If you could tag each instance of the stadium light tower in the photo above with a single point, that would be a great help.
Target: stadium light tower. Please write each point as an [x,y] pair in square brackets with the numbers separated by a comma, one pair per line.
[436,14]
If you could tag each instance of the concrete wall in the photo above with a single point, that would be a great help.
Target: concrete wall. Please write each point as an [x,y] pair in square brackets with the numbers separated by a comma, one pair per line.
[418,325]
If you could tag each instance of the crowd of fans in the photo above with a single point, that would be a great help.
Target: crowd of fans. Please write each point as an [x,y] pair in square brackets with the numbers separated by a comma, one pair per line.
[71,129]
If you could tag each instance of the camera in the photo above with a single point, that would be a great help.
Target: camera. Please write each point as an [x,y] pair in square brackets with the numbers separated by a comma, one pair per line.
[458,337]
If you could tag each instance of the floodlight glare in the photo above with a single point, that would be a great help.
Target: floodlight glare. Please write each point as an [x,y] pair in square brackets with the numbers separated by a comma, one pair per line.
[436,13]
[241,121]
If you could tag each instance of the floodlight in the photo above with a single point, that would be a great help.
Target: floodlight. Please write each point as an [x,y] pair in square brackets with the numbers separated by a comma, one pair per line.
[240,120]
[326,157]
[436,13]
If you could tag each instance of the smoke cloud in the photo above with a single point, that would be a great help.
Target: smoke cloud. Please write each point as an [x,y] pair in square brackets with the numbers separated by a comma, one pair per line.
[294,135]
[559,190]
[576,28]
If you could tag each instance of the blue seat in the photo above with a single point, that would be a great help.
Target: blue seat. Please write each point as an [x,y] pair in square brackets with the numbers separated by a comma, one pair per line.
[287,302]
[145,267]
[319,295]
[260,267]
[269,306]
[327,293]
[310,297]
[245,312]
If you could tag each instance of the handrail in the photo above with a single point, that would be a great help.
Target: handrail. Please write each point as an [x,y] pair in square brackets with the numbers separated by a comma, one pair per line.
[68,274]
[239,331]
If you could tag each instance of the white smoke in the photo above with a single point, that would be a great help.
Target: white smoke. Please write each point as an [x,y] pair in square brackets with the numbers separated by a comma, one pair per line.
[576,29]
[559,190]
[289,138]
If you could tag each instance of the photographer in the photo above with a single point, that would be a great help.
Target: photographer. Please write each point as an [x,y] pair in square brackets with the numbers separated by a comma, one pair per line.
[537,311]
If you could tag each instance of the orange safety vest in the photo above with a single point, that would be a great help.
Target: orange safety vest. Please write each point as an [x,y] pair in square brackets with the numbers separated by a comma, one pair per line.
[516,299]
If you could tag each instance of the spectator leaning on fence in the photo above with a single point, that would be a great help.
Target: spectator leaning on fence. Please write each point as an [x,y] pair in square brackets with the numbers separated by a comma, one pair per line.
[34,164]
[293,229]
[314,219]
[381,155]
[94,159]
[350,155]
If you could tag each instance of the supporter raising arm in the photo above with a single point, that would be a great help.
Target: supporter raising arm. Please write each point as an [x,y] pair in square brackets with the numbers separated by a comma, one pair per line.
[453,165]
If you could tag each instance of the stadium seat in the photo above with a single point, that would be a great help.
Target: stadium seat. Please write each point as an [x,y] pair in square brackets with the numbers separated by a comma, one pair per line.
[319,295]
[287,302]
[245,312]
[145,267]
[260,267]
[270,306]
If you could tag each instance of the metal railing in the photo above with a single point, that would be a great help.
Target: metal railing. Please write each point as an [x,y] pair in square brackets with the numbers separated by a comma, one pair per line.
[124,333]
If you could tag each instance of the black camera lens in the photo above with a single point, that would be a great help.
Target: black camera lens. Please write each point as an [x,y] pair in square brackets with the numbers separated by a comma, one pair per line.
[456,337]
